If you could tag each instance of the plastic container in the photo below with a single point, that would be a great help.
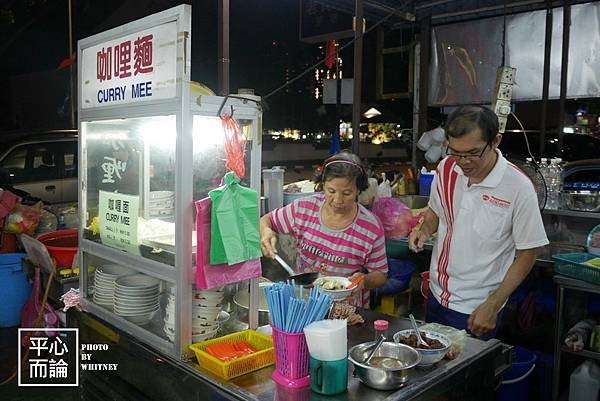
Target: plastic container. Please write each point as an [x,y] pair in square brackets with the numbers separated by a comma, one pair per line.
[381,327]
[273,186]
[265,355]
[515,383]
[328,377]
[585,382]
[327,339]
[573,265]
[292,365]
[425,180]
[14,289]
[62,245]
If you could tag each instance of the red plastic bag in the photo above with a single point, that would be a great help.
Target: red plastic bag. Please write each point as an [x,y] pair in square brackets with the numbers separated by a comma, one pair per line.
[31,309]
[396,217]
[24,219]
[214,276]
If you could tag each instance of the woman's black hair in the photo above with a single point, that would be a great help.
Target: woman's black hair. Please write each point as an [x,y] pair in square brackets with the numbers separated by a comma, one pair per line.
[344,165]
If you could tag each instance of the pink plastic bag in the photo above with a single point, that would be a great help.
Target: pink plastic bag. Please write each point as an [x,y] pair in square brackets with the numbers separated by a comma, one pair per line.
[31,309]
[213,276]
[396,217]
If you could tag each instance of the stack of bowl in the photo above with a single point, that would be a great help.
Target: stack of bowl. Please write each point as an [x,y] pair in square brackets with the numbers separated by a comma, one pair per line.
[206,307]
[162,205]
[207,314]
[104,283]
[136,297]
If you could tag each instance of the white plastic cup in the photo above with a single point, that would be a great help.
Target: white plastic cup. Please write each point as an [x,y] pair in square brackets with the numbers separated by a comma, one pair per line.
[327,340]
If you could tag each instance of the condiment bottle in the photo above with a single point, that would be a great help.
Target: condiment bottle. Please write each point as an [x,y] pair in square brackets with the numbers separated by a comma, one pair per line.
[381,327]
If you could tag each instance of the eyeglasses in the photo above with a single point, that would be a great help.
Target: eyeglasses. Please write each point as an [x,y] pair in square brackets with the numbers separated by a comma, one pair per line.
[467,156]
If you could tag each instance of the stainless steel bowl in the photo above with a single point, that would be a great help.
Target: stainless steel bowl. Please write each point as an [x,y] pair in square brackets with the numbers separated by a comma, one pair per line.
[384,378]
[583,201]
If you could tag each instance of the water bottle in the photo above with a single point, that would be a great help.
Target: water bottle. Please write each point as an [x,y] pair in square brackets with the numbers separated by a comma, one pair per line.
[528,168]
[551,184]
[543,166]
[559,184]
[585,382]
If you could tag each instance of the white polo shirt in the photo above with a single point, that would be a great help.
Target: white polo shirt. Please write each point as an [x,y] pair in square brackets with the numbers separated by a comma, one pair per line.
[480,227]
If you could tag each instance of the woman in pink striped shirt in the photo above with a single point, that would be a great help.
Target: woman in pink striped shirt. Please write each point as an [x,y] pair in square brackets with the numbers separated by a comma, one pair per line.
[336,236]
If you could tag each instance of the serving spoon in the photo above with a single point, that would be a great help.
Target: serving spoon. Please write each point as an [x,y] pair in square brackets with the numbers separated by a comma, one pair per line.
[420,340]
[375,348]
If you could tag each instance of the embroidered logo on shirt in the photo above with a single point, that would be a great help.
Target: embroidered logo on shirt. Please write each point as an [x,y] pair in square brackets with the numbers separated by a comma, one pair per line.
[496,201]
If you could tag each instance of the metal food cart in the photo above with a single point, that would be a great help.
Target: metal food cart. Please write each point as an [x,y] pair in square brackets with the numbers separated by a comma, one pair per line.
[149,146]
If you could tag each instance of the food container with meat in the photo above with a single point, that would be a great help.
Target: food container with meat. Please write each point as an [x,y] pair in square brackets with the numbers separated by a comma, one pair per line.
[439,345]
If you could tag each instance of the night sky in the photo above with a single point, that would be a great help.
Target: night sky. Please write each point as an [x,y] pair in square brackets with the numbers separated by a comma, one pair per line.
[264,43]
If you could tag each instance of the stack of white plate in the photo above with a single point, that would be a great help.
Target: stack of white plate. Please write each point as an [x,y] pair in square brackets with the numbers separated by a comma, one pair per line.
[207,315]
[136,297]
[162,204]
[104,283]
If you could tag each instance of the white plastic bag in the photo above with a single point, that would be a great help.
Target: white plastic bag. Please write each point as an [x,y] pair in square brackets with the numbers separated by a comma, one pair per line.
[458,337]
[384,190]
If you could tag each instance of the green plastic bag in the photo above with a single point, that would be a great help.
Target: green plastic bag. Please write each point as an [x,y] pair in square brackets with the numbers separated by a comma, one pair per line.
[234,227]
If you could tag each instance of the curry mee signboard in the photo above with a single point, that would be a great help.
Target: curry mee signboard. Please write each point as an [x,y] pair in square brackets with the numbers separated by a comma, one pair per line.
[119,221]
[133,68]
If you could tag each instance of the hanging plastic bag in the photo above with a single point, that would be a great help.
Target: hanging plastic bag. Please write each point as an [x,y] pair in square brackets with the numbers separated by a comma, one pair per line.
[235,146]
[214,276]
[384,190]
[234,227]
[32,308]
[396,217]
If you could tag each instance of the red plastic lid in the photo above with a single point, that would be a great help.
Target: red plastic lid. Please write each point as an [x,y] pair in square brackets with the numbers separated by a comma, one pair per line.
[381,324]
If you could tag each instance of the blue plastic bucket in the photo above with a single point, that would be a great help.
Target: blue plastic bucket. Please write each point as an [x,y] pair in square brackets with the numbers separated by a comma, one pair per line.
[515,383]
[14,289]
[399,275]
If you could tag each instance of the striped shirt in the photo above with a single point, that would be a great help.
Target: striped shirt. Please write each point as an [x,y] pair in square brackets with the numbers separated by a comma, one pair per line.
[480,229]
[332,252]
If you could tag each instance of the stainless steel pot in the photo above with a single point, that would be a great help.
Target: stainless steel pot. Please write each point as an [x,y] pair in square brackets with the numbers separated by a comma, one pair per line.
[384,378]
[583,201]
[242,301]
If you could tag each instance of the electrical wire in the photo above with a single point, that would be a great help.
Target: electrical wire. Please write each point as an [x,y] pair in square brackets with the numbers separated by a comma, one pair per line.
[504,35]
[534,163]
[312,67]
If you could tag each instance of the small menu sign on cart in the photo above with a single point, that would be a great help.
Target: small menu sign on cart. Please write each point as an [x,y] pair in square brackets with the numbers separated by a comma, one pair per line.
[118,215]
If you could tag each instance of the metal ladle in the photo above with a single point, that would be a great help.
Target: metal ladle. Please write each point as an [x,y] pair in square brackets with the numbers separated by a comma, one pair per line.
[299,279]
[418,333]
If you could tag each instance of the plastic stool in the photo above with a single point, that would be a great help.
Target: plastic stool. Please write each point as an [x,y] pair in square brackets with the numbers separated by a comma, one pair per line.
[389,303]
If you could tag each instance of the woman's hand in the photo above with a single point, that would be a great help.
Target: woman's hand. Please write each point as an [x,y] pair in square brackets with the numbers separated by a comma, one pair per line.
[268,242]
[361,284]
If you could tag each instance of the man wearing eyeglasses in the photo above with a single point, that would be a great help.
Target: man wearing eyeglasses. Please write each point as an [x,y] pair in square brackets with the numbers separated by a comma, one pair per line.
[485,211]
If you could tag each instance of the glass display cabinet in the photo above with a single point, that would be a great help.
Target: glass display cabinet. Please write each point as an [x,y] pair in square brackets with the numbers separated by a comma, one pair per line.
[149,146]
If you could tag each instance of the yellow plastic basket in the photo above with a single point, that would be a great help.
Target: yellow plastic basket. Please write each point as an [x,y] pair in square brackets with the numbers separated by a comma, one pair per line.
[264,356]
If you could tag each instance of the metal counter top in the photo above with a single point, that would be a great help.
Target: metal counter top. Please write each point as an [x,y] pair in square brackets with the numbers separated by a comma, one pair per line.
[259,385]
